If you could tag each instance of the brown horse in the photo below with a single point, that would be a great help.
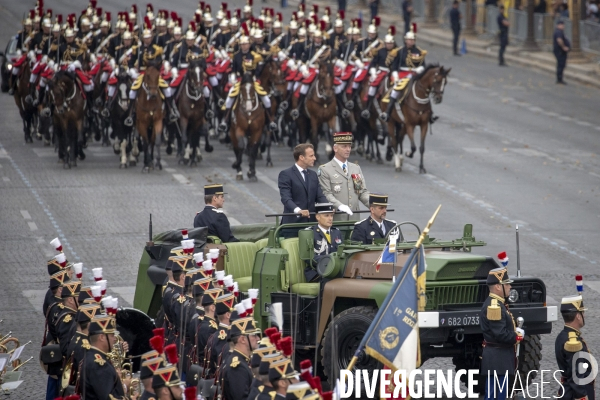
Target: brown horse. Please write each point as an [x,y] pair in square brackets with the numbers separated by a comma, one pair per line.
[192,109]
[367,128]
[69,110]
[319,108]
[149,116]
[27,110]
[247,126]
[415,110]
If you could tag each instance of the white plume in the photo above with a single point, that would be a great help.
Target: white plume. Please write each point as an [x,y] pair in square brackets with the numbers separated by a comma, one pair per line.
[276,311]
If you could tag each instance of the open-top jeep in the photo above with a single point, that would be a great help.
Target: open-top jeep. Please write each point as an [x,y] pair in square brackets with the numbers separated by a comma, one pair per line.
[328,319]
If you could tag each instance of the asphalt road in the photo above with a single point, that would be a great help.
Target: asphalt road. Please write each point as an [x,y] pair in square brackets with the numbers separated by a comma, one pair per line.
[509,148]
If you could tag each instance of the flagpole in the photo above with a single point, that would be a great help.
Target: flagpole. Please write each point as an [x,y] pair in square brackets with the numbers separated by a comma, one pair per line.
[417,245]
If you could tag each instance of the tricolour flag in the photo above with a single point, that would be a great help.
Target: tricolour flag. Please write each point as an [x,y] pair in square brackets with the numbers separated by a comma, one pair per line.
[388,255]
[393,337]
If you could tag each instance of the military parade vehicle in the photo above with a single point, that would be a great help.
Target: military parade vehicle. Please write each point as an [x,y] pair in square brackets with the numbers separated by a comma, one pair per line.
[328,319]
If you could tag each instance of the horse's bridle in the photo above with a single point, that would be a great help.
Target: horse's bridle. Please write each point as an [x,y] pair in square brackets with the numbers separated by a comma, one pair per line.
[197,90]
[430,91]
[67,99]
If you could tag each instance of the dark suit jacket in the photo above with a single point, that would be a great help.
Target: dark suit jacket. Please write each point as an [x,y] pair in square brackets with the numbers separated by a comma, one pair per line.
[217,223]
[296,192]
[367,230]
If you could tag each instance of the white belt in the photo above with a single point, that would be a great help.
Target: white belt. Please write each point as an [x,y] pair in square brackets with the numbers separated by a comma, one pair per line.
[384,69]
[406,69]
[183,66]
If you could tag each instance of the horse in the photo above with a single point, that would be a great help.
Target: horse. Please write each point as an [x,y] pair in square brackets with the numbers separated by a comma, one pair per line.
[367,129]
[149,116]
[69,111]
[415,110]
[192,110]
[247,126]
[319,107]
[123,144]
[26,110]
[99,125]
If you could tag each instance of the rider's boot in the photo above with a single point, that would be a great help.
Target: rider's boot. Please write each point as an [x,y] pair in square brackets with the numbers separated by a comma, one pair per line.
[286,102]
[131,115]
[384,116]
[89,100]
[272,123]
[340,103]
[366,113]
[108,106]
[295,113]
[224,125]
[12,85]
[32,94]
[218,97]
[172,109]
[432,118]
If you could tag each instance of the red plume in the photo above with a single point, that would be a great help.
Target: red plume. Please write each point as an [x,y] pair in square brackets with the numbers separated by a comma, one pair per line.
[295,16]
[315,19]
[99,11]
[59,19]
[250,3]
[270,331]
[414,26]
[322,25]
[147,23]
[159,332]
[342,14]
[238,13]
[302,7]
[93,3]
[49,13]
[130,26]
[107,16]
[305,365]
[377,21]
[327,11]
[224,6]
[171,353]
[392,30]
[83,12]
[31,14]
[157,343]
[173,15]
[317,381]
[149,7]
[280,17]
[228,14]
[134,8]
[202,5]
[286,346]
[327,396]
[359,23]
[307,23]
[274,338]
[190,393]
[308,378]
[197,16]
[192,26]
[245,28]
[316,8]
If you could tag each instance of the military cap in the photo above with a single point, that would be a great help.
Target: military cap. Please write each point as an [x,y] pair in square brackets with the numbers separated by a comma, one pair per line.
[267,360]
[70,289]
[258,354]
[191,276]
[378,199]
[324,208]
[225,303]
[282,369]
[58,279]
[498,276]
[572,304]
[181,263]
[54,266]
[342,138]
[202,285]
[166,376]
[210,296]
[86,312]
[151,364]
[300,390]
[85,292]
[244,326]
[213,189]
[102,323]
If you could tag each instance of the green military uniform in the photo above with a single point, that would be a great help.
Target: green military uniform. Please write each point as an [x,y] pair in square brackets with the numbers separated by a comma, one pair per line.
[348,188]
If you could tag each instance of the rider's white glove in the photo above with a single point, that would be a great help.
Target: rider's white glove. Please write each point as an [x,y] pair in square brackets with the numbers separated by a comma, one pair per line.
[520,332]
[395,75]
[345,208]
[282,56]
[232,78]
[420,69]
[373,72]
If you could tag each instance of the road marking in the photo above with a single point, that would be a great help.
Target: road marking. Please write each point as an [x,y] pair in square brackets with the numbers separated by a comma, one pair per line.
[32,226]
[63,238]
[4,154]
[564,118]
[25,214]
[583,123]
[594,174]
[268,181]
[170,170]
[181,179]
[35,298]
[126,293]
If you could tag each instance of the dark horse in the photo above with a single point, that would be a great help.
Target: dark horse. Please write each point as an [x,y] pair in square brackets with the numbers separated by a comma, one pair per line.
[415,110]
[192,109]
[118,113]
[149,116]
[319,108]
[247,126]
[27,110]
[67,118]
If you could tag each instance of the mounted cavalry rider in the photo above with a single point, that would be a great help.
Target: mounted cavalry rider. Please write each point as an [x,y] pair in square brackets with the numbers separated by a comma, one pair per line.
[246,61]
[42,44]
[349,61]
[191,49]
[102,39]
[337,38]
[125,55]
[276,37]
[146,54]
[73,55]
[366,49]
[317,50]
[412,62]
[385,60]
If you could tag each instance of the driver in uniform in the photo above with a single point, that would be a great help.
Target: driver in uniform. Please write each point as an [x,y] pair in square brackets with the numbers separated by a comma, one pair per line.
[375,226]
[327,238]
[212,216]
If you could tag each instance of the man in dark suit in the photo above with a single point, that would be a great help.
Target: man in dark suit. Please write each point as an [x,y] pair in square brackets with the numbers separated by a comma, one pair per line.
[299,188]
[326,239]
[375,226]
[212,216]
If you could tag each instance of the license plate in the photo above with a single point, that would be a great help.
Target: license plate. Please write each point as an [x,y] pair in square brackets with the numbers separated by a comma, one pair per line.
[459,319]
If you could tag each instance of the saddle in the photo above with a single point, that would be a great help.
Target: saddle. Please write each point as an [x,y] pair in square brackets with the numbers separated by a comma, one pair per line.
[400,86]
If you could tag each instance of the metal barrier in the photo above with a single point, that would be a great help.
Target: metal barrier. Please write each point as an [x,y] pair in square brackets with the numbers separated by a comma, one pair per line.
[590,36]
[491,26]
[518,24]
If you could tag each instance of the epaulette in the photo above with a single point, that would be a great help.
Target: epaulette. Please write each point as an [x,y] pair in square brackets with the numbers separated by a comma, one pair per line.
[494,312]
[573,344]
[273,394]
[361,221]
[85,344]
[222,334]
[213,324]
[217,210]
[158,49]
[67,318]
[235,361]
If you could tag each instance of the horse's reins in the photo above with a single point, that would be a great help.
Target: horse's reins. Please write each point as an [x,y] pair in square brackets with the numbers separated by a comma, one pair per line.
[247,87]
[187,88]
[67,99]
